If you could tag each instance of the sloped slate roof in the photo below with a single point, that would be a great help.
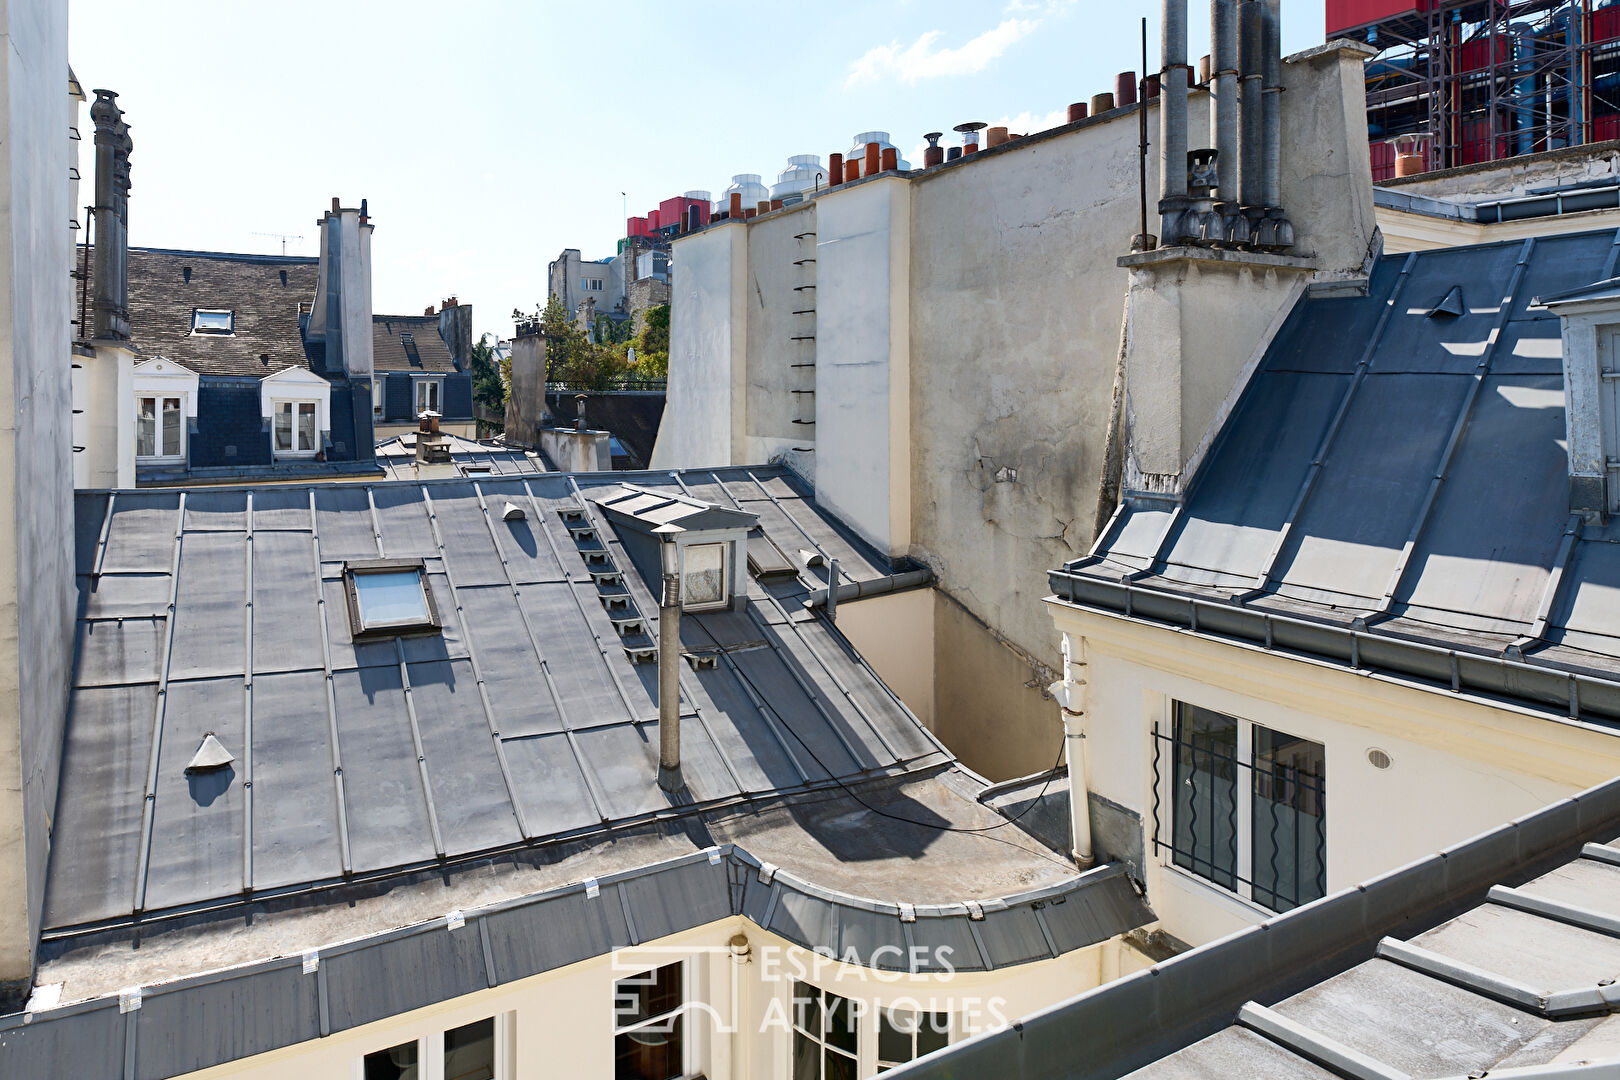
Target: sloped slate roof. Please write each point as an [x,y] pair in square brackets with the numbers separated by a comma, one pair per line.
[1400,477]
[528,715]
[264,291]
[425,352]
[397,456]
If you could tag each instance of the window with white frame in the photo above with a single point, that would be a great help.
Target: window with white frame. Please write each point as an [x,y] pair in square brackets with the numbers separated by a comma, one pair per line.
[1248,807]
[475,1051]
[293,428]
[160,427]
[904,1036]
[826,1035]
[427,396]
[649,1036]
[213,322]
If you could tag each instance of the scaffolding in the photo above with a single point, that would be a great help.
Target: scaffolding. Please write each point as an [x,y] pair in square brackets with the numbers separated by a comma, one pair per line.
[1459,82]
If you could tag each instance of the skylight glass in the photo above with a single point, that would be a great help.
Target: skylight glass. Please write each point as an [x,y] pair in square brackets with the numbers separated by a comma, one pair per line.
[213,322]
[391,599]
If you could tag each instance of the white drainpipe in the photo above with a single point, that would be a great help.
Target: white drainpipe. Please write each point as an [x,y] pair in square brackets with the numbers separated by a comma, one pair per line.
[1070,694]
[741,954]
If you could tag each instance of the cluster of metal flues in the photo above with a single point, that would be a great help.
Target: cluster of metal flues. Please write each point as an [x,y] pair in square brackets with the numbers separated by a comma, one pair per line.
[1228,194]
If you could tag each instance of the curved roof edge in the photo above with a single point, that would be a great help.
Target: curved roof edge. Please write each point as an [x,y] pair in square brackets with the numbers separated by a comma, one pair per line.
[304,997]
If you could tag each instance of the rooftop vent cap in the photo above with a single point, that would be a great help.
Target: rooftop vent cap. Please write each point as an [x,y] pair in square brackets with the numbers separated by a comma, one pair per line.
[513,512]
[211,756]
[1451,306]
[811,558]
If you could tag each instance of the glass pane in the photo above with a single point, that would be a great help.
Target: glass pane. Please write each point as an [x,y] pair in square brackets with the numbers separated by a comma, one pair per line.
[171,426]
[1205,805]
[218,322]
[838,1066]
[807,1008]
[895,1029]
[392,598]
[840,1022]
[806,1057]
[283,426]
[933,1032]
[642,997]
[433,396]
[469,1052]
[704,581]
[395,1063]
[306,425]
[146,428]
[1290,820]
[649,1053]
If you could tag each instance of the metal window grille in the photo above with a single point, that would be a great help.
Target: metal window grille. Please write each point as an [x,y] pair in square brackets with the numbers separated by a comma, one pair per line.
[1201,828]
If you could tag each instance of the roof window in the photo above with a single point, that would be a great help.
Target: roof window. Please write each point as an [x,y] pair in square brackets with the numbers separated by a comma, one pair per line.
[213,322]
[388,596]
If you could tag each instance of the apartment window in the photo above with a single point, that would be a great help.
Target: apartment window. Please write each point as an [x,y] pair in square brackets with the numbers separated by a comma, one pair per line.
[388,596]
[1248,809]
[213,322]
[159,428]
[294,428]
[825,1035]
[468,1052]
[427,396]
[906,1036]
[703,576]
[648,1029]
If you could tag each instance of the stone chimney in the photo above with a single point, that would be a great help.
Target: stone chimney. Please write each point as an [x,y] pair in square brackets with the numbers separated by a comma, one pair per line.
[341,314]
[455,327]
[110,274]
[526,404]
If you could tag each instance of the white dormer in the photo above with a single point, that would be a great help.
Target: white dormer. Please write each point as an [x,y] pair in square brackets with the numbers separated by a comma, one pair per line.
[298,405]
[165,406]
[1590,317]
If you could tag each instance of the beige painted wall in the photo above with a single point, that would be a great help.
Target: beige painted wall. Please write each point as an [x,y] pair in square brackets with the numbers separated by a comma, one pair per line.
[1460,766]
[1420,232]
[970,689]
[560,1024]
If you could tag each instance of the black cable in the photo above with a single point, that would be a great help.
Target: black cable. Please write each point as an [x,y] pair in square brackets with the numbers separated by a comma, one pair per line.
[1051,775]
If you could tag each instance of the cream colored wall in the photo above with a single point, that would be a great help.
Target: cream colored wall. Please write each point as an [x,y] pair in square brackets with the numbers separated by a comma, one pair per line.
[385,432]
[771,325]
[561,1022]
[104,424]
[895,633]
[1460,766]
[1420,232]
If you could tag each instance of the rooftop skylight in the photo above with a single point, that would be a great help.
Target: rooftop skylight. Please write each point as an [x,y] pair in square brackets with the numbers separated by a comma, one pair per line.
[388,596]
[213,322]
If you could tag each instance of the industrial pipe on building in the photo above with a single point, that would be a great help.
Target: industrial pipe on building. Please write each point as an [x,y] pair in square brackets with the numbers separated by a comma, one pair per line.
[1070,694]
[669,659]
[1251,169]
[1173,84]
[1276,231]
[1223,118]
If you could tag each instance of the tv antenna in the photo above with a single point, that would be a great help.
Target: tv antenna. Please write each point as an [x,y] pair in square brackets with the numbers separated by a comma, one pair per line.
[283,237]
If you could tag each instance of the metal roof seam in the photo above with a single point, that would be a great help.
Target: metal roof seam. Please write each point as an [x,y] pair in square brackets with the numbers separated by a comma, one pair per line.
[247,707]
[1551,592]
[166,652]
[101,541]
[1329,437]
[341,794]
[1464,413]
[416,742]
[1614,253]
[478,673]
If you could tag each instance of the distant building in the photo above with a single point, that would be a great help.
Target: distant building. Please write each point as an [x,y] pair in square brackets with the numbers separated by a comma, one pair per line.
[424,364]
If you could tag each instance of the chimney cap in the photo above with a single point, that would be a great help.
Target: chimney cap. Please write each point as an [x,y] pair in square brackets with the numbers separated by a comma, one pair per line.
[971,125]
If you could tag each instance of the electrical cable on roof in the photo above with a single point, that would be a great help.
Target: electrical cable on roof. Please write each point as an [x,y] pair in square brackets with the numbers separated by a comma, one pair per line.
[1051,774]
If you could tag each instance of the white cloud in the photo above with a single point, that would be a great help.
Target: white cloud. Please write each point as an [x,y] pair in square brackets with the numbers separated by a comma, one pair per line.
[1028,123]
[923,60]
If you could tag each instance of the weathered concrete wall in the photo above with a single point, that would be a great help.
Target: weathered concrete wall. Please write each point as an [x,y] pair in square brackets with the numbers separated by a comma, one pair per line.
[1515,176]
[863,360]
[772,277]
[36,471]
[104,392]
[526,403]
[577,451]
[706,417]
[895,633]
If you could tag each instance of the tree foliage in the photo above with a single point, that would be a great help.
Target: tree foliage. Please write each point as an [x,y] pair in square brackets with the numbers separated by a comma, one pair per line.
[489,389]
[572,357]
[652,344]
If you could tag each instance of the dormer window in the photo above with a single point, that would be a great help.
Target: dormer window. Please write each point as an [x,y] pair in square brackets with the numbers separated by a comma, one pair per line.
[388,596]
[213,322]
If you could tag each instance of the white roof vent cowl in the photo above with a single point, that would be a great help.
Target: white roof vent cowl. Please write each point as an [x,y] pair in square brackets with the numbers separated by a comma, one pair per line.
[803,174]
[749,186]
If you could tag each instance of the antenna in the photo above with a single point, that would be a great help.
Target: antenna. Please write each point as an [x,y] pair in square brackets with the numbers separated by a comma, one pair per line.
[283,237]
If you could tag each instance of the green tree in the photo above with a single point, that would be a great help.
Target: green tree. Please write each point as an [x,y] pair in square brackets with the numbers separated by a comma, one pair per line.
[488,388]
[572,357]
[652,344]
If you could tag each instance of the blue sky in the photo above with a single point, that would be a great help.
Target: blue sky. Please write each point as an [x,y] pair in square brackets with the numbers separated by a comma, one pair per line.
[488,136]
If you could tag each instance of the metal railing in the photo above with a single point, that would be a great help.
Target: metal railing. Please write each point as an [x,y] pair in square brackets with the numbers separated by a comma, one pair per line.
[1286,848]
[627,382]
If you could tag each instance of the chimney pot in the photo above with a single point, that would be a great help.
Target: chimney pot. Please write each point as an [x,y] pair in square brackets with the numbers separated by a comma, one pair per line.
[1077,111]
[1125,88]
[873,154]
[891,159]
[995,136]
[835,170]
[852,170]
[736,204]
[1101,103]
[336,206]
[1203,69]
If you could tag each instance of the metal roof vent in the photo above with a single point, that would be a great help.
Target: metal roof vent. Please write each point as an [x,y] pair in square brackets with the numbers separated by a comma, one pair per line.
[1379,759]
[513,512]
[1451,306]
[211,756]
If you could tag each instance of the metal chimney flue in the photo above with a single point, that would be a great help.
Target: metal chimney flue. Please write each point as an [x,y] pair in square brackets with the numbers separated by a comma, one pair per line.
[669,659]
[1173,84]
[110,274]
[1276,231]
[1251,174]
[1223,118]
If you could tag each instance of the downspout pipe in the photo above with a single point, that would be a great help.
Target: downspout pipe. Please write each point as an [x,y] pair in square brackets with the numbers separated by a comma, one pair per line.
[1174,76]
[1277,233]
[1070,694]
[856,590]
[1251,109]
[1223,117]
